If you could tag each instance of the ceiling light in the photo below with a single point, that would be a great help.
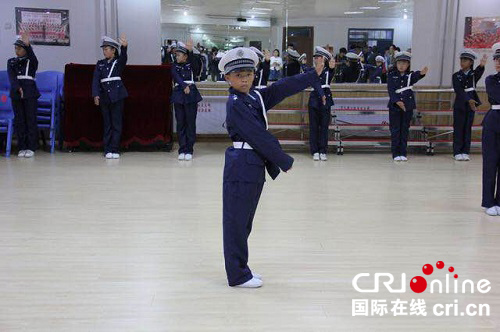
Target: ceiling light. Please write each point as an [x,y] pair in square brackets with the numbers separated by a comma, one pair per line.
[253,16]
[405,17]
[185,13]
[369,8]
[265,9]
[352,13]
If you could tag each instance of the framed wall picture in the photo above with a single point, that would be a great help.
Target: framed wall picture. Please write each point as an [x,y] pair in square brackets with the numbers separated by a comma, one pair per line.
[45,26]
[481,32]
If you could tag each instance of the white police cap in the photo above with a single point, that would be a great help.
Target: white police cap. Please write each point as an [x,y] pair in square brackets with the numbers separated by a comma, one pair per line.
[302,56]
[258,52]
[468,54]
[181,47]
[237,59]
[293,54]
[352,56]
[107,41]
[379,58]
[496,51]
[320,51]
[400,56]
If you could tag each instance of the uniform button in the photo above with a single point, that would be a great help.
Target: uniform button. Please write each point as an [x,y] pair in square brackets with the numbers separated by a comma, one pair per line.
[109,91]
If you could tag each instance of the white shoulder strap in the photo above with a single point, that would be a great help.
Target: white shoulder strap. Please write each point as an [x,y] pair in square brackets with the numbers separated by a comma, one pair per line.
[112,67]
[327,76]
[27,67]
[260,77]
[409,80]
[263,107]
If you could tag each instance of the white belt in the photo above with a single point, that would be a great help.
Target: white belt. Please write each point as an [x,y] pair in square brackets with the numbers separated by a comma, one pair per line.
[470,89]
[261,87]
[404,89]
[326,86]
[242,145]
[25,77]
[116,78]
[495,107]
[187,82]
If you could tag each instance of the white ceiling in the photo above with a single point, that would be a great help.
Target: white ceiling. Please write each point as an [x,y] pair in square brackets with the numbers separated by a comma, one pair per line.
[266,9]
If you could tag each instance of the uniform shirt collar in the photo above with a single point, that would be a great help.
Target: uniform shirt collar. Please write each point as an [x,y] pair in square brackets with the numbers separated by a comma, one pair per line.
[233,91]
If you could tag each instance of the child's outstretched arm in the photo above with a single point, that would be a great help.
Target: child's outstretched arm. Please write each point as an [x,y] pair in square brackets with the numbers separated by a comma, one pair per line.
[289,86]
[252,132]
[418,75]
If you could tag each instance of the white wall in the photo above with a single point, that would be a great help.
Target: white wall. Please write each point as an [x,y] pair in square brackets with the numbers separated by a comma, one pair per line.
[478,8]
[83,32]
[334,31]
[139,20]
[439,32]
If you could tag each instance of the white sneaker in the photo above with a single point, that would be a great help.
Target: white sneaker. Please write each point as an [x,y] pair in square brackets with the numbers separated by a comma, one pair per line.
[109,155]
[323,157]
[459,157]
[182,156]
[29,154]
[21,153]
[403,158]
[397,158]
[189,156]
[116,156]
[252,283]
[257,276]
[492,211]
[465,157]
[316,156]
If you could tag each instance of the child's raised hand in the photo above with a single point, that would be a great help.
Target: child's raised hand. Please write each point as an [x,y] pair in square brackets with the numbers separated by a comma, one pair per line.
[267,55]
[123,40]
[96,101]
[25,37]
[189,44]
[484,59]
[425,70]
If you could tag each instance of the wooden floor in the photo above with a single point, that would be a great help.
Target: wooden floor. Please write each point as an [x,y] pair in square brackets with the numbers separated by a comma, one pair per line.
[136,244]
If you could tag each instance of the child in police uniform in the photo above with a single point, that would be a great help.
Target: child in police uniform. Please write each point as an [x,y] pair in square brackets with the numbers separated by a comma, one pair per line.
[263,69]
[292,65]
[376,74]
[400,83]
[254,150]
[466,102]
[491,141]
[185,97]
[320,103]
[24,95]
[109,92]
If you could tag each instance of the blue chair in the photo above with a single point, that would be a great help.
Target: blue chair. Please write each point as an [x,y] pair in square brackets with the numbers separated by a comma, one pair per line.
[6,119]
[59,103]
[47,83]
